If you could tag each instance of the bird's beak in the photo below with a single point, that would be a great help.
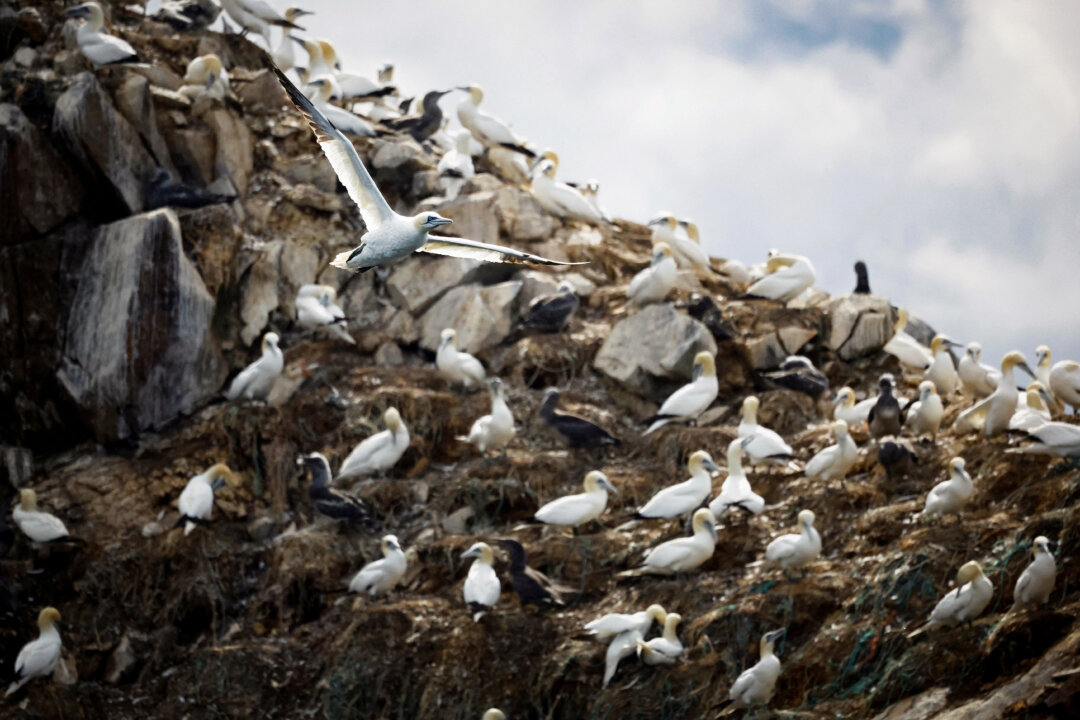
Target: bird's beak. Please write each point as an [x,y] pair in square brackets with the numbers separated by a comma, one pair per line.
[210,81]
[78,11]
[462,88]
[774,635]
[712,531]
[746,441]
[218,483]
[606,484]
[299,41]
[1024,366]
[297,12]
[710,465]
[1046,397]
[471,553]
[838,399]
[442,221]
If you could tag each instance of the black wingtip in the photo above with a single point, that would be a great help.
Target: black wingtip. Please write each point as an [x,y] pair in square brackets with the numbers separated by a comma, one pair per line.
[519,148]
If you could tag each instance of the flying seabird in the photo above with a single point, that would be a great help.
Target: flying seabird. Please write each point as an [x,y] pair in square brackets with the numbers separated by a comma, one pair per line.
[606,627]
[163,191]
[976,379]
[845,408]
[456,166]
[379,452]
[797,549]
[663,650]
[421,127]
[99,47]
[653,284]
[763,445]
[1064,382]
[196,502]
[924,415]
[964,603]
[488,129]
[482,586]
[1034,410]
[789,276]
[256,16]
[862,279]
[389,236]
[38,658]
[41,527]
[532,586]
[905,348]
[496,430]
[316,307]
[692,399]
[551,313]
[1053,438]
[685,497]
[688,251]
[1037,581]
[942,372]
[736,492]
[577,432]
[380,576]
[330,501]
[558,198]
[949,496]
[885,418]
[993,413]
[576,510]
[284,56]
[188,14]
[681,554]
[798,373]
[256,380]
[756,685]
[456,366]
[624,644]
[205,75]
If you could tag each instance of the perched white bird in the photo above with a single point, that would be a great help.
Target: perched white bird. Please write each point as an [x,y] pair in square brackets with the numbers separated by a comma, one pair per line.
[924,415]
[457,366]
[789,276]
[284,56]
[835,461]
[846,409]
[380,452]
[692,399]
[756,685]
[608,626]
[624,644]
[317,69]
[38,525]
[496,430]
[557,197]
[256,16]
[906,349]
[663,229]
[664,650]
[1037,581]
[38,658]
[482,586]
[95,44]
[686,496]
[575,510]
[488,129]
[1053,438]
[256,380]
[798,549]
[942,372]
[456,166]
[389,236]
[316,307]
[205,75]
[963,604]
[976,379]
[688,251]
[1064,382]
[352,86]
[1043,367]
[736,490]
[682,554]
[949,496]
[1034,411]
[380,576]
[764,445]
[992,414]
[196,502]
[653,284]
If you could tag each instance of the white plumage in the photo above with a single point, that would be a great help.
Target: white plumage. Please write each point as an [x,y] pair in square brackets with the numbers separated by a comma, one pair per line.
[1033,411]
[316,307]
[653,284]
[38,657]
[482,586]
[666,649]
[196,501]
[763,444]
[575,510]
[756,685]
[98,46]
[798,549]
[205,75]
[457,366]
[689,401]
[612,624]
[950,496]
[965,603]
[342,119]
[688,251]
[486,128]
[496,430]
[925,414]
[39,526]
[976,379]
[906,349]
[942,372]
[558,198]
[379,452]
[846,409]
[624,644]
[380,576]
[686,496]
[256,380]
[456,166]
[835,461]
[1064,382]
[1053,438]
[993,414]
[789,276]
[682,554]
[1037,581]
[736,490]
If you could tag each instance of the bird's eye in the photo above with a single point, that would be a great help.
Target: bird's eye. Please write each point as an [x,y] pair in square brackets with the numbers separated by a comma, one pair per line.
[431,218]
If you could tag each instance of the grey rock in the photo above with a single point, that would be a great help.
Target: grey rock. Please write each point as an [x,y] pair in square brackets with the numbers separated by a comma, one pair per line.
[483,316]
[425,184]
[388,155]
[159,75]
[521,217]
[389,355]
[18,465]
[135,103]
[314,170]
[25,56]
[259,292]
[233,156]
[262,93]
[420,280]
[308,196]
[858,324]
[474,217]
[769,349]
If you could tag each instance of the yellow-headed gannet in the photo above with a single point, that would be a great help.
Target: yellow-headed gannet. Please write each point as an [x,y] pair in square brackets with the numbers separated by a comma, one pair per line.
[577,432]
[993,413]
[316,307]
[663,650]
[692,399]
[1042,367]
[256,380]
[756,685]
[686,496]
[1065,383]
[482,586]
[329,501]
[456,366]
[924,415]
[942,372]
[688,251]
[38,525]
[196,502]
[608,626]
[949,496]
[488,129]
[964,603]
[736,491]
[1037,581]
[456,166]
[905,348]
[789,276]
[380,452]
[342,119]
[493,714]
[284,56]
[653,284]
[353,87]
[835,461]
[496,430]
[846,409]
[1053,438]
[797,549]
[532,586]
[317,69]
[681,554]
[98,46]
[976,379]
[389,236]
[205,75]
[38,658]
[885,417]
[1034,410]
[764,445]
[256,16]
[575,510]
[624,644]
[551,312]
[380,576]
[558,198]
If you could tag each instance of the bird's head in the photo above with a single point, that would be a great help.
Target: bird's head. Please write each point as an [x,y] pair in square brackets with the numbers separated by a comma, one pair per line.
[429,221]
[596,480]
[701,460]
[219,476]
[495,386]
[392,418]
[293,13]
[664,219]
[390,544]
[448,337]
[692,231]
[313,461]
[940,343]
[47,617]
[968,571]
[27,499]
[479,550]
[1041,545]
[90,11]
[886,383]
[213,64]
[386,72]
[806,518]
[475,93]
[839,428]
[493,714]
[845,397]
[704,364]
[705,521]
[1042,356]
[329,54]
[769,640]
[1013,359]
[974,351]
[1037,396]
[776,262]
[749,408]
[660,252]
[957,465]
[270,342]
[926,389]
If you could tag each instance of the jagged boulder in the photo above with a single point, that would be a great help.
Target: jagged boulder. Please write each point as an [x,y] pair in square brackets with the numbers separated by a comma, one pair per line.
[134,101]
[474,216]
[521,217]
[769,349]
[138,349]
[858,324]
[482,315]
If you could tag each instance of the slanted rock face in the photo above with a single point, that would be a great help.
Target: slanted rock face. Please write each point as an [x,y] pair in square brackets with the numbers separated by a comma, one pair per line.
[858,324]
[138,349]
[135,102]
[482,316]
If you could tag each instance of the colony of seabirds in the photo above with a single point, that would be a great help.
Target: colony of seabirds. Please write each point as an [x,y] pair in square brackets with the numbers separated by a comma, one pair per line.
[997,403]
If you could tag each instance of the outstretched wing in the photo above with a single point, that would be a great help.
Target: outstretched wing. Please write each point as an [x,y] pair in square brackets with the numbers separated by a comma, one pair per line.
[462,248]
[343,158]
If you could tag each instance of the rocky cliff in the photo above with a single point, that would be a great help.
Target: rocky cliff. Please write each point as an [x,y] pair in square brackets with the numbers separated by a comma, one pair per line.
[122,324]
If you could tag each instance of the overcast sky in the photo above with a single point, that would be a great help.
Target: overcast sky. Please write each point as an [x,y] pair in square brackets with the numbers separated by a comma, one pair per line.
[937,141]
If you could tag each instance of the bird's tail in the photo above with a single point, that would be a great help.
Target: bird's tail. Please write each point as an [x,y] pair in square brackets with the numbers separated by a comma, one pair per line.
[658,421]
[341,260]
[188,527]
[13,687]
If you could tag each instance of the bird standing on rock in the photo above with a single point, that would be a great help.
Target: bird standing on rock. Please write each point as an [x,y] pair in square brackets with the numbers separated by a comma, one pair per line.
[576,510]
[972,594]
[380,576]
[798,549]
[257,380]
[380,452]
[196,502]
[756,685]
[329,501]
[457,366]
[482,586]
[96,45]
[495,430]
[1037,581]
[685,497]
